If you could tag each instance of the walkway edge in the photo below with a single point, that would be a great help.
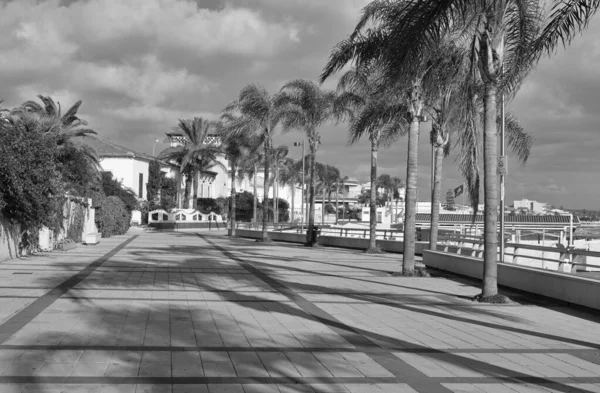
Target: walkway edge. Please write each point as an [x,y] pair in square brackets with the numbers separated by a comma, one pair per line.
[27,314]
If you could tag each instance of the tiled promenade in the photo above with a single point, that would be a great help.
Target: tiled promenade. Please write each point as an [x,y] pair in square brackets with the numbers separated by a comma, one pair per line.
[199,312]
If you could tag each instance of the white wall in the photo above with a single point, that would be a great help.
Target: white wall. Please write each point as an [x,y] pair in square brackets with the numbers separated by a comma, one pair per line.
[127,170]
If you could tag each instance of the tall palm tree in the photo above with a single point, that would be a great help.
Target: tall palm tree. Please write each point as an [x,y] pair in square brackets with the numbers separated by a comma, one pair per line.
[377,112]
[368,49]
[309,108]
[195,156]
[385,181]
[238,150]
[505,38]
[278,157]
[258,112]
[397,183]
[291,175]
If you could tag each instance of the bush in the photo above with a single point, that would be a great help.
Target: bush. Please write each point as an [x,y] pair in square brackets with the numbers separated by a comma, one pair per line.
[112,216]
[208,205]
[168,193]
[31,193]
[112,187]
[244,205]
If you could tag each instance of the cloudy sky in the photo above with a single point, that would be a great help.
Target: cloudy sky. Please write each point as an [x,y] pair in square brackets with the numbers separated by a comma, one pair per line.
[139,65]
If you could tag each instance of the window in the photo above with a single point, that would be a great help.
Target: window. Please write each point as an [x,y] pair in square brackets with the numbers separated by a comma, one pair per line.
[141,186]
[379,217]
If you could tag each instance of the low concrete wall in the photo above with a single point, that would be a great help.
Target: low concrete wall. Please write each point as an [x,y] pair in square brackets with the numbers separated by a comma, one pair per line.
[562,286]
[331,241]
[289,237]
[9,240]
[394,246]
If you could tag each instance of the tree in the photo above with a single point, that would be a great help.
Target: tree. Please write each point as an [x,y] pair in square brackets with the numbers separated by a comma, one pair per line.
[278,157]
[505,42]
[31,193]
[257,112]
[291,176]
[237,148]
[397,184]
[407,81]
[195,155]
[309,108]
[450,197]
[154,184]
[377,112]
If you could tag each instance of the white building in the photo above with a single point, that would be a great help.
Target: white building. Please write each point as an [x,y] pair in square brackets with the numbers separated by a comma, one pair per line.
[216,182]
[127,166]
[533,206]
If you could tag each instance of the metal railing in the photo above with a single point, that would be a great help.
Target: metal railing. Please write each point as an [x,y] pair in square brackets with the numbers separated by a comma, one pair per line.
[568,259]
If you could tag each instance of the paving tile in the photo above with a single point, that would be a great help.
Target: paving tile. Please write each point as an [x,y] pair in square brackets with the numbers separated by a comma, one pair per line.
[190,389]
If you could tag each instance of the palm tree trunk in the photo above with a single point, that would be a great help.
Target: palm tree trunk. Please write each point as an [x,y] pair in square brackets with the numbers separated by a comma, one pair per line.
[293,188]
[194,204]
[408,258]
[311,191]
[490,284]
[265,205]
[232,204]
[373,200]
[323,207]
[255,194]
[436,197]
[187,190]
[390,191]
[337,202]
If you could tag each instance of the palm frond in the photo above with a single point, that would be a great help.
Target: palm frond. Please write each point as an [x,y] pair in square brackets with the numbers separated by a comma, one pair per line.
[518,140]
[567,19]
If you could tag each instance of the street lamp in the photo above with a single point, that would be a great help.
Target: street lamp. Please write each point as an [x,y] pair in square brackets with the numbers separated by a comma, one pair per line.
[302,203]
[158,140]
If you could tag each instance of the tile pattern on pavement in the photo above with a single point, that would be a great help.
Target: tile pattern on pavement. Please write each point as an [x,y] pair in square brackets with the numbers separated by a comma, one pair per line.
[201,312]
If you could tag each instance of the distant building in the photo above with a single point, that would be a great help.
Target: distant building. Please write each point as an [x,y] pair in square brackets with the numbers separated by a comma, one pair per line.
[532,206]
[127,166]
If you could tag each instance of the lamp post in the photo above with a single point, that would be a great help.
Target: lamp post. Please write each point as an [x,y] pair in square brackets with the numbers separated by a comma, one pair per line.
[158,140]
[302,201]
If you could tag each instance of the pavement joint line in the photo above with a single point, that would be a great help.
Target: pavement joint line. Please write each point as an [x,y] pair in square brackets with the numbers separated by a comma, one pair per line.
[590,354]
[411,375]
[27,314]
[382,356]
[419,385]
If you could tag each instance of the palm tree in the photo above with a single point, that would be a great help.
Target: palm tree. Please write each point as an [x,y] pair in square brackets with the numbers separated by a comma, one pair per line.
[68,133]
[377,113]
[278,157]
[309,108]
[505,38]
[397,183]
[238,149]
[195,156]
[291,175]
[385,181]
[256,111]
[406,81]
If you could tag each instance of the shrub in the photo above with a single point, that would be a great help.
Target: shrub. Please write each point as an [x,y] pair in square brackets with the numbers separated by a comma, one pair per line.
[31,193]
[112,187]
[112,215]
[244,205]
[208,205]
[168,193]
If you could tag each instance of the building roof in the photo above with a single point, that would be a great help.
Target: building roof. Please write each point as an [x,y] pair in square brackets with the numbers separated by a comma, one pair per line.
[106,148]
[510,219]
